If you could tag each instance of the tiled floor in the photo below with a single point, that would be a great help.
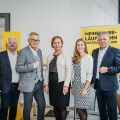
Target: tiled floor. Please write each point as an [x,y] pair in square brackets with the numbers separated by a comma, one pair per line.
[69,117]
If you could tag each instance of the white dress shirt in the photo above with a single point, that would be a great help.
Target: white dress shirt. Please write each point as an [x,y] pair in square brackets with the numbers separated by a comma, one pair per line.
[100,57]
[35,53]
[12,59]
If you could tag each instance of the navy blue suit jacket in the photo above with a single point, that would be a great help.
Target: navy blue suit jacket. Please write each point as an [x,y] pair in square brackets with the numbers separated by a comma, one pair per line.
[5,72]
[111,59]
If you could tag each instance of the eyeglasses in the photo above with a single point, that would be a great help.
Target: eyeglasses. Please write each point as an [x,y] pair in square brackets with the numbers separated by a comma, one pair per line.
[35,40]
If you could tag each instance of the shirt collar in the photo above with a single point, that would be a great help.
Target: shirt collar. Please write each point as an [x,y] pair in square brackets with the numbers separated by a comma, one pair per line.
[33,50]
[11,53]
[105,49]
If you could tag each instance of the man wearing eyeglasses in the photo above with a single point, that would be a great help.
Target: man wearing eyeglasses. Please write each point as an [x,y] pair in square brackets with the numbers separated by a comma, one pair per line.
[29,65]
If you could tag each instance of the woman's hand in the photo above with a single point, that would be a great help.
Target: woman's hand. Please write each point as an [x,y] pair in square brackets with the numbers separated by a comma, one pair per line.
[46,89]
[84,93]
[65,90]
[72,90]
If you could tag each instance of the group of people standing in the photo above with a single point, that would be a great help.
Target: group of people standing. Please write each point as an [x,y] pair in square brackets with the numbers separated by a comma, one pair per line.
[24,71]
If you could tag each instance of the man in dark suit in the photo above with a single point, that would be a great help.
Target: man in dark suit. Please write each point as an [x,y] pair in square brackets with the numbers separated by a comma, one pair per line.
[29,65]
[105,68]
[9,80]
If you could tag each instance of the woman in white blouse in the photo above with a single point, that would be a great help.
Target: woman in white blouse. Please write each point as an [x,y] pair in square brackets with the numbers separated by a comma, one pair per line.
[57,81]
[82,66]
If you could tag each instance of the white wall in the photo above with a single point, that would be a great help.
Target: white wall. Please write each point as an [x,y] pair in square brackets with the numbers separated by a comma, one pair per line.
[58,17]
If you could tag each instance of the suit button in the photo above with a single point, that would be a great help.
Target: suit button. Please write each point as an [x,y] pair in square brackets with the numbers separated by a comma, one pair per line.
[36,72]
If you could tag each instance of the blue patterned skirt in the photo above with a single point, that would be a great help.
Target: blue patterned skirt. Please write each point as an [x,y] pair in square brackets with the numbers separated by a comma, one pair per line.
[80,102]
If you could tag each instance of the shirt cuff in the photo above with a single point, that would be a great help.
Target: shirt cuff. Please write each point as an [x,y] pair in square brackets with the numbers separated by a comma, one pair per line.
[34,65]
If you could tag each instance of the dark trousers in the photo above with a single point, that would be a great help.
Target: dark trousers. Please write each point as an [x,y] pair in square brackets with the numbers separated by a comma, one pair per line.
[107,103]
[10,99]
[38,94]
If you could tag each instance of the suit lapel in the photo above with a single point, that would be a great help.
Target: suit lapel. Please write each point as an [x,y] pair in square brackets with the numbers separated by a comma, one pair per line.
[7,59]
[39,53]
[31,54]
[96,57]
[106,53]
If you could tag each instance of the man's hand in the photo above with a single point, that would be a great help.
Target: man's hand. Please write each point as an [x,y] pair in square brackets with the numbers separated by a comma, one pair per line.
[0,91]
[92,85]
[103,69]
[36,64]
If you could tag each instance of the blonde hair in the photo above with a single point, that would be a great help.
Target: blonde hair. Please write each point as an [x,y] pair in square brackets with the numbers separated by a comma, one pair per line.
[76,54]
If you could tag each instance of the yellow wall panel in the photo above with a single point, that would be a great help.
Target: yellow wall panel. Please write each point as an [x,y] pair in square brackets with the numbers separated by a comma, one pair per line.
[6,35]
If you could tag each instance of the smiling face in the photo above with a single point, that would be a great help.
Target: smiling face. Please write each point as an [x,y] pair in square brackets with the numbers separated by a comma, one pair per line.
[80,46]
[103,41]
[33,41]
[12,44]
[57,44]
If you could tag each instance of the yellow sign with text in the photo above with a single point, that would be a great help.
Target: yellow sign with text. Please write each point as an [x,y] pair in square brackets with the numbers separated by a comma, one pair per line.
[6,35]
[90,36]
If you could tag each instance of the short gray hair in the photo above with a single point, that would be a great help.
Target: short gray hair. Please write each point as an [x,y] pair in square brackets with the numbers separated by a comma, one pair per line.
[33,33]
[12,37]
[102,33]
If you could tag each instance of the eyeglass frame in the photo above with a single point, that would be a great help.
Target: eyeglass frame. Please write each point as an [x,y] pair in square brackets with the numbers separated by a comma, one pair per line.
[35,40]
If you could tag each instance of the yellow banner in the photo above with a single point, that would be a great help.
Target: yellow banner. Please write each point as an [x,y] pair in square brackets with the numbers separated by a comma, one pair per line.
[6,35]
[90,35]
